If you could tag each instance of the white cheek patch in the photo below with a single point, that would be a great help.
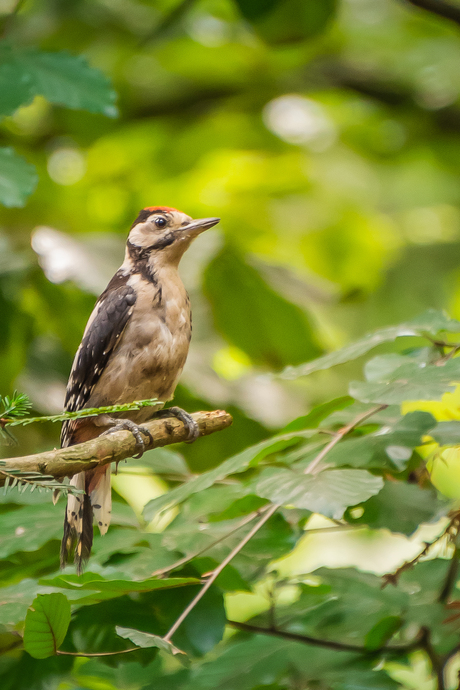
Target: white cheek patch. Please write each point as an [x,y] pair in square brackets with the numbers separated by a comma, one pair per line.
[142,235]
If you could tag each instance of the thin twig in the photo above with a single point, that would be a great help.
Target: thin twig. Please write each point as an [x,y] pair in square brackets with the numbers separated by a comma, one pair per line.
[41,482]
[89,654]
[216,572]
[392,578]
[186,559]
[441,343]
[339,436]
[328,644]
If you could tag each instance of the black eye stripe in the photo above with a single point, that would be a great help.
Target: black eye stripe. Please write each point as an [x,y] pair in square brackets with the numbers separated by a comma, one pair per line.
[163,242]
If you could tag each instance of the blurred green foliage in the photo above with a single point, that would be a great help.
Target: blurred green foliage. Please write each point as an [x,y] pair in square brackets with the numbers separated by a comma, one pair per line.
[326,135]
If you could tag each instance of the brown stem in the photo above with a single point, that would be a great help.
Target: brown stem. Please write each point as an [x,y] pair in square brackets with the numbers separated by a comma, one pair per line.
[90,654]
[339,436]
[113,448]
[437,663]
[451,578]
[392,578]
[328,644]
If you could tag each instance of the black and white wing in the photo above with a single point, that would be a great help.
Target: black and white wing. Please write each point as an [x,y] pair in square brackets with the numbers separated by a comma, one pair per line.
[103,331]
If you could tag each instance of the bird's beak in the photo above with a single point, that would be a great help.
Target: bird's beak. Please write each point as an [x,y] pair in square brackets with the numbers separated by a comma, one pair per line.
[200,225]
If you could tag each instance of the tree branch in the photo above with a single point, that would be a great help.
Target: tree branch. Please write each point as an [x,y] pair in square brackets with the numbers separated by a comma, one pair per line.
[440,7]
[115,447]
[452,527]
[328,644]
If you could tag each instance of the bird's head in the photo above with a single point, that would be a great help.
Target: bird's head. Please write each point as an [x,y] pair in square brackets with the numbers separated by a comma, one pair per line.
[163,234]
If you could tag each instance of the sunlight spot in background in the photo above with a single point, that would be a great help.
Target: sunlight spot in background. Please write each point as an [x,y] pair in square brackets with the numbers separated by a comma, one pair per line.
[66,166]
[7,6]
[436,88]
[47,394]
[209,31]
[90,262]
[431,224]
[300,120]
[231,363]
[57,253]
[138,486]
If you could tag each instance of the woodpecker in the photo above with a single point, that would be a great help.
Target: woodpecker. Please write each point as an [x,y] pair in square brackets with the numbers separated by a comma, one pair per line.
[134,347]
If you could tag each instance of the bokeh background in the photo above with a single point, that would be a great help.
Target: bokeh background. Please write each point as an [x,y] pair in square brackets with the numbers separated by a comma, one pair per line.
[326,135]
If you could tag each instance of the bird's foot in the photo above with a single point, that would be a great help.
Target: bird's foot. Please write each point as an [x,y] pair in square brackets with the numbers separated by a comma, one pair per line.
[137,431]
[188,421]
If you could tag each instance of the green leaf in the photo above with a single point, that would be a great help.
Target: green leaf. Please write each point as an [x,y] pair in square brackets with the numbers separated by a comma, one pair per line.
[446,433]
[330,492]
[16,87]
[390,447]
[413,381]
[260,661]
[18,178]
[100,589]
[238,463]
[318,414]
[16,600]
[383,631]
[164,461]
[29,528]
[252,316]
[60,77]
[46,625]
[356,604]
[425,581]
[432,322]
[143,639]
[386,417]
[401,508]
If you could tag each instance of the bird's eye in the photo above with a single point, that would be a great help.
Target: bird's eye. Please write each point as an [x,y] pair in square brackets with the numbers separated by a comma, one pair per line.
[160,222]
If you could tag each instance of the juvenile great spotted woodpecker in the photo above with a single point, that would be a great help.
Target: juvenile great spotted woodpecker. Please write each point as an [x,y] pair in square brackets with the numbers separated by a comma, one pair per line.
[134,347]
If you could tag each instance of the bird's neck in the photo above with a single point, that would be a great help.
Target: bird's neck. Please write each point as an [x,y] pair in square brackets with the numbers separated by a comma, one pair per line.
[156,269]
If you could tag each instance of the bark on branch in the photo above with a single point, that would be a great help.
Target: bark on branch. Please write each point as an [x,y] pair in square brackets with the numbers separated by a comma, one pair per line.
[118,446]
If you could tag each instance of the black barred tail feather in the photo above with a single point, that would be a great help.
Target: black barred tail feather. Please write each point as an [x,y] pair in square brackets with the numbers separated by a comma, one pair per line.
[78,520]
[78,525]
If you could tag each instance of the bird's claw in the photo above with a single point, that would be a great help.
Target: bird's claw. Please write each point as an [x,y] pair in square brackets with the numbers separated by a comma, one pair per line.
[192,427]
[128,425]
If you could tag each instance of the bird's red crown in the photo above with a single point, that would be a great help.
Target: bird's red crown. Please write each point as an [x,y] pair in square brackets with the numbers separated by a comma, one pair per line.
[166,209]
